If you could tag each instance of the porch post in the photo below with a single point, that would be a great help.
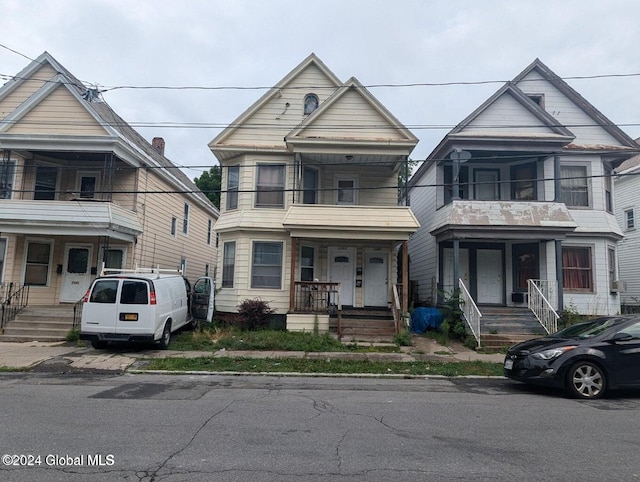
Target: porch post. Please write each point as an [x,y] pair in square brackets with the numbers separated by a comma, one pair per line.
[456,267]
[557,180]
[405,277]
[292,276]
[558,243]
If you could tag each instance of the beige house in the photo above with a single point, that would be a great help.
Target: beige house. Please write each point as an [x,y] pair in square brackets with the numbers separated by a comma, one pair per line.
[310,220]
[80,187]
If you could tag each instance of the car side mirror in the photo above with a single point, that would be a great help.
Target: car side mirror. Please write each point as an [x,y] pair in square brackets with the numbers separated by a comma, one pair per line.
[621,336]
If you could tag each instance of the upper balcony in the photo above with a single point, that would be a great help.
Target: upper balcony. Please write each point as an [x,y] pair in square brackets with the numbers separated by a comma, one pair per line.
[68,218]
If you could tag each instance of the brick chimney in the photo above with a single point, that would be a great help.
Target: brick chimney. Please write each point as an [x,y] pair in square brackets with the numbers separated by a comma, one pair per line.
[158,145]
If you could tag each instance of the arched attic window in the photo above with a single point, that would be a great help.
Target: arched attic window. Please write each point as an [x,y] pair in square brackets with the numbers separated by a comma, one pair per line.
[310,103]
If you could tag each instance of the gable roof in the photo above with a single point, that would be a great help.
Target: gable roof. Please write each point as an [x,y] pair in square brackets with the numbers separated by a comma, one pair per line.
[598,117]
[385,123]
[125,141]
[311,60]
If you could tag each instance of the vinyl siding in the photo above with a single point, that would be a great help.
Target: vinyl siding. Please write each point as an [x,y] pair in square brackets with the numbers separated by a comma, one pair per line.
[25,90]
[626,195]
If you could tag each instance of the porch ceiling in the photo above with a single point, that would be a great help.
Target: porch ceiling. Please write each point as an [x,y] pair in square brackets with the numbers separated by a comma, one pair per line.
[350,222]
[63,218]
[492,219]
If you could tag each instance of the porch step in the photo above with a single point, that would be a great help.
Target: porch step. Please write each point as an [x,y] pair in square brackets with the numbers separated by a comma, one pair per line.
[365,329]
[501,342]
[512,321]
[40,323]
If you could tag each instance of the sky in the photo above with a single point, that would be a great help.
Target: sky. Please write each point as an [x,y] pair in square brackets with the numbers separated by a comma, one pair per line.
[246,46]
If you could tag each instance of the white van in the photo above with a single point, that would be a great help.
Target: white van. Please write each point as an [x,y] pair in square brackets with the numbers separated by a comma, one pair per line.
[138,306]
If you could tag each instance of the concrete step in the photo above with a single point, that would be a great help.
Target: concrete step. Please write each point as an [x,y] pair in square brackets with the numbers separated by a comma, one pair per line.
[40,323]
[500,342]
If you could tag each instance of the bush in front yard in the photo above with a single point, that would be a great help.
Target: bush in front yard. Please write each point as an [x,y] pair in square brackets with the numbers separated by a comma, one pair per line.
[254,314]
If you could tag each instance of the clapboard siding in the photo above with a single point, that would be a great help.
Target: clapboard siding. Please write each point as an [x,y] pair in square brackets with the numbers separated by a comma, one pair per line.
[59,113]
[506,116]
[25,89]
[626,195]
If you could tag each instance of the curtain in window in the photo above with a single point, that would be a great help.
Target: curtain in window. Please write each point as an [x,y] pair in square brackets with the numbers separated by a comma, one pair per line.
[574,186]
[576,268]
[270,186]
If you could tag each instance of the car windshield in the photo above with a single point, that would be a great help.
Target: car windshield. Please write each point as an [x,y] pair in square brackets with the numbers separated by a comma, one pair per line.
[589,328]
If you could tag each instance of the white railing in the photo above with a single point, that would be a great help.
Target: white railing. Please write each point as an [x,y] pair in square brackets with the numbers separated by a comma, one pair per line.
[541,293]
[470,312]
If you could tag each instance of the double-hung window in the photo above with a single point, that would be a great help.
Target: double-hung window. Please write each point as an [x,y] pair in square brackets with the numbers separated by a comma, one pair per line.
[574,186]
[577,269]
[629,219]
[266,266]
[228,264]
[38,263]
[233,181]
[270,186]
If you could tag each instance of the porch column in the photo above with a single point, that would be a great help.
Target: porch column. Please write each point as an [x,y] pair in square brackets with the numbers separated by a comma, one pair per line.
[405,277]
[557,180]
[456,263]
[559,275]
[292,275]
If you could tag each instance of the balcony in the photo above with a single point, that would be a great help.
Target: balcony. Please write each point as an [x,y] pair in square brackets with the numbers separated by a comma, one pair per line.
[69,218]
[502,219]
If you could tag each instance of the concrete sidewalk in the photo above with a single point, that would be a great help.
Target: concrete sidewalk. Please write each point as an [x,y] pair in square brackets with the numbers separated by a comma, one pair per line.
[33,354]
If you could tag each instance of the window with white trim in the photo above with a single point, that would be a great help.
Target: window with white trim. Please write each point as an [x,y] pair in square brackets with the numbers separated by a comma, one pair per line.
[307,263]
[233,181]
[185,220]
[228,263]
[629,219]
[38,263]
[346,190]
[577,268]
[270,186]
[266,265]
[574,185]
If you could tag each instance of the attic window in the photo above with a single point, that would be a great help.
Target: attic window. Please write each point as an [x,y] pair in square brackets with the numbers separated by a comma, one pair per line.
[537,98]
[310,103]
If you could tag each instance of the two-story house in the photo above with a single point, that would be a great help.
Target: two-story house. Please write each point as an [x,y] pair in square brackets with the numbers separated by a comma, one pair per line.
[627,206]
[310,220]
[521,190]
[80,188]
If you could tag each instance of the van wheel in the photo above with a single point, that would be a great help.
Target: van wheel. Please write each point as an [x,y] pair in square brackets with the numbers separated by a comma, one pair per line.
[99,344]
[166,336]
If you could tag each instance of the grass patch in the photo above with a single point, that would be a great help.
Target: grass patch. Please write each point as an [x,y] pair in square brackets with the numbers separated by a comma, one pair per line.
[297,365]
[233,339]
[14,369]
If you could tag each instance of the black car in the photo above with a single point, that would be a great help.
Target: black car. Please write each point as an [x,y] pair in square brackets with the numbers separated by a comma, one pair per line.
[586,359]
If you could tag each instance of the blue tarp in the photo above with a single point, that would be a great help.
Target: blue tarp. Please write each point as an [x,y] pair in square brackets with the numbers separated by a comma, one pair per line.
[425,318]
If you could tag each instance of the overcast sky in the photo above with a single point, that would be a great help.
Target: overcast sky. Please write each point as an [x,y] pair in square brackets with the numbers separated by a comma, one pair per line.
[237,43]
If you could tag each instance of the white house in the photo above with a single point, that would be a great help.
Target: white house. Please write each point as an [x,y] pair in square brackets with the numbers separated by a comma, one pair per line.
[309,217]
[522,190]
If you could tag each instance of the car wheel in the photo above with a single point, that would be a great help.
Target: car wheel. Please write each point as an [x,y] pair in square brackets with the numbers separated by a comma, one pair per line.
[99,344]
[166,336]
[586,380]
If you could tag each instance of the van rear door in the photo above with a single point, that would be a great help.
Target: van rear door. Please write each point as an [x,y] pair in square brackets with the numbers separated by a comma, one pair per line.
[202,299]
[99,313]
[136,310]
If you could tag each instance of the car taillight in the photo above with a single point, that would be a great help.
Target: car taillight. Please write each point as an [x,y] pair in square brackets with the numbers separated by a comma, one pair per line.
[86,296]
[152,298]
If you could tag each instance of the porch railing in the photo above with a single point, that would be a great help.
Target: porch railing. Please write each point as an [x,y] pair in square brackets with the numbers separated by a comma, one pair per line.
[470,312]
[318,297]
[12,302]
[540,294]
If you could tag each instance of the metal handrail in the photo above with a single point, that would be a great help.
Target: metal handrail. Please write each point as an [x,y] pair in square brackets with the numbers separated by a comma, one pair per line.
[470,312]
[12,303]
[396,309]
[77,313]
[541,307]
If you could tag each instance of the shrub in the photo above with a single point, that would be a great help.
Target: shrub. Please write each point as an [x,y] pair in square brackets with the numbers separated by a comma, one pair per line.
[403,338]
[254,313]
[73,335]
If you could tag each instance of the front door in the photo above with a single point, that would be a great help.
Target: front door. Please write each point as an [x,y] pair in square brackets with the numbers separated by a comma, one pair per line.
[76,272]
[490,281]
[375,279]
[342,267]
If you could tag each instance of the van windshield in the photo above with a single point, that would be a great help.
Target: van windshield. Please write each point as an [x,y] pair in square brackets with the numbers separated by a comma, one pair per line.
[134,293]
[104,291]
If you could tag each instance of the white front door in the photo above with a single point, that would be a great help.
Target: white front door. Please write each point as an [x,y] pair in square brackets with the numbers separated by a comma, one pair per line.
[490,280]
[375,279]
[342,269]
[76,272]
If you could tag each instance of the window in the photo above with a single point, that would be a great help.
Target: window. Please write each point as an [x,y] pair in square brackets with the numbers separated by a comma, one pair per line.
[346,193]
[266,267]
[576,269]
[3,254]
[270,186]
[36,270]
[486,184]
[537,98]
[46,181]
[228,264]
[611,264]
[183,265]
[310,186]
[174,224]
[185,220]
[574,186]
[209,231]
[233,181]
[113,258]
[629,219]
[310,103]
[608,189]
[7,176]
[104,291]
[307,263]
[523,184]
[134,293]
[87,184]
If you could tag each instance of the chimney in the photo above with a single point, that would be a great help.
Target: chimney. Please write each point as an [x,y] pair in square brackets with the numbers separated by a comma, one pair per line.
[158,145]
